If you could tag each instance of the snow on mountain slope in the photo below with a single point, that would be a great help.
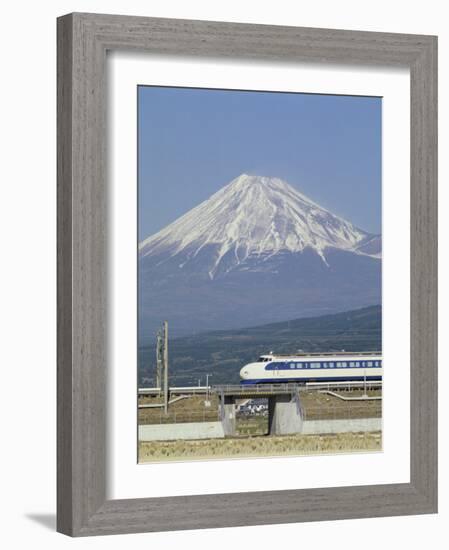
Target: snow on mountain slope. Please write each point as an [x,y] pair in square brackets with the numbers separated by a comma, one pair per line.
[255,217]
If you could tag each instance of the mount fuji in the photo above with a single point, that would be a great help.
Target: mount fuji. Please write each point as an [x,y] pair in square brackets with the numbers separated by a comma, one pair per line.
[257,251]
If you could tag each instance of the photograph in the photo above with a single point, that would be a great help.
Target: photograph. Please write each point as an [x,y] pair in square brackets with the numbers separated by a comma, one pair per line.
[259,274]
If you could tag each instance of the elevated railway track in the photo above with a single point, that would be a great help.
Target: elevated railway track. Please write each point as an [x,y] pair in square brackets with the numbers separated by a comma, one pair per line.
[263,390]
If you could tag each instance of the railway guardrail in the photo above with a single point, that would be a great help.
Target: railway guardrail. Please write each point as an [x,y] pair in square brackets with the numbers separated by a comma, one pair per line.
[244,389]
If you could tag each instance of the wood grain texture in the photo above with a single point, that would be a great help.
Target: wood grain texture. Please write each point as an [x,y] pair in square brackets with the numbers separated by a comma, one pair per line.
[64,277]
[83,40]
[423,254]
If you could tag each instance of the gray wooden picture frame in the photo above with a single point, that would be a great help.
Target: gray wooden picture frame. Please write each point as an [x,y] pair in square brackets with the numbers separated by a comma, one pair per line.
[83,40]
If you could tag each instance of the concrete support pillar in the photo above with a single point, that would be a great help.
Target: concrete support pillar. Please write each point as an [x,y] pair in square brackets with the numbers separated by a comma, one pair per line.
[284,415]
[228,414]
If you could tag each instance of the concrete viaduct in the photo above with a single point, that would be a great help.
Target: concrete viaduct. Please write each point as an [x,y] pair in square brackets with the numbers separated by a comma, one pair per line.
[285,414]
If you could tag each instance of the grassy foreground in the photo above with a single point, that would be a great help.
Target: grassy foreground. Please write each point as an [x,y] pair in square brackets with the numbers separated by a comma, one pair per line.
[157,451]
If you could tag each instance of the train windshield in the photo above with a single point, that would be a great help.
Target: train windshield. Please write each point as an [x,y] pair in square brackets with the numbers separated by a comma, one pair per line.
[263,360]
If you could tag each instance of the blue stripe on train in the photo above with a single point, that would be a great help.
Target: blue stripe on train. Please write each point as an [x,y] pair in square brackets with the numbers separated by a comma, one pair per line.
[292,365]
[311,379]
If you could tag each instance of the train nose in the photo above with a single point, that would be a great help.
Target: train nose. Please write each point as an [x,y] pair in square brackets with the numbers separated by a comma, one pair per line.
[244,373]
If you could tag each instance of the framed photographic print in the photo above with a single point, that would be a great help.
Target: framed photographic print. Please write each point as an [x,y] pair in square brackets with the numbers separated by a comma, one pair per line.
[247,274]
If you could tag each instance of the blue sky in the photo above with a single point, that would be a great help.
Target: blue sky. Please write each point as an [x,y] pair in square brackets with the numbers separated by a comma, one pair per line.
[192,142]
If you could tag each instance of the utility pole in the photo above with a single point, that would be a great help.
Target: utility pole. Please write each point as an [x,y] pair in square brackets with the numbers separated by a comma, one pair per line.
[166,367]
[207,402]
[159,360]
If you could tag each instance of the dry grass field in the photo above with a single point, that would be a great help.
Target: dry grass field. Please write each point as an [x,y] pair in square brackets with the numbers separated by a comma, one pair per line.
[321,406]
[156,451]
[191,409]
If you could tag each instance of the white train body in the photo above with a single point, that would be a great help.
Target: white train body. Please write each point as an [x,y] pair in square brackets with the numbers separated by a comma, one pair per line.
[305,368]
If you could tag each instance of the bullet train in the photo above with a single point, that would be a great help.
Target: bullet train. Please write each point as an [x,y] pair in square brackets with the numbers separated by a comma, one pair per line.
[313,367]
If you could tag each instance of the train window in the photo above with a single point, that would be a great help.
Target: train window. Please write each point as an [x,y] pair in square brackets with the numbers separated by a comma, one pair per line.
[338,364]
[343,364]
[370,363]
[330,364]
[357,363]
[351,364]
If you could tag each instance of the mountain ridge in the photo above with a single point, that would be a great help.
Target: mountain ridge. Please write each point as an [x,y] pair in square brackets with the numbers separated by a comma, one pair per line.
[222,353]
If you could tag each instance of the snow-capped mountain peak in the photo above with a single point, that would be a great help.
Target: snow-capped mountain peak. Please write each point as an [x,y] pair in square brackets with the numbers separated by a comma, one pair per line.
[254,216]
